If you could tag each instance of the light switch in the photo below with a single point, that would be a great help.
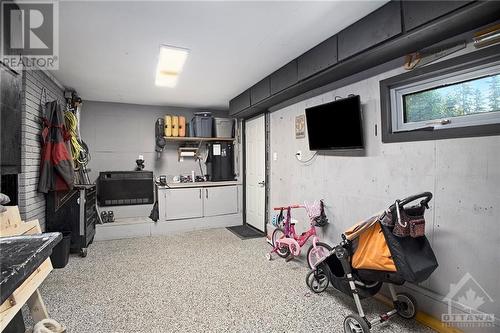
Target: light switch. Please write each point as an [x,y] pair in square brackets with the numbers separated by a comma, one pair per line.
[275,156]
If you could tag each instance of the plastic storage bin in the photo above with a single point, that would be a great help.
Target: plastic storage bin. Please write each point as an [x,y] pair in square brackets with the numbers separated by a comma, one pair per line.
[201,125]
[223,127]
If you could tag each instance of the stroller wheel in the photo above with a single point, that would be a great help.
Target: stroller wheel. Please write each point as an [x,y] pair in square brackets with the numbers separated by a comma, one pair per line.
[406,306]
[317,280]
[355,324]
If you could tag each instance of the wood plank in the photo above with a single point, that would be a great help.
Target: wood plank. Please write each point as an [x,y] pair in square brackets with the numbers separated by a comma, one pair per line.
[10,221]
[37,307]
[32,227]
[11,306]
[12,225]
[24,228]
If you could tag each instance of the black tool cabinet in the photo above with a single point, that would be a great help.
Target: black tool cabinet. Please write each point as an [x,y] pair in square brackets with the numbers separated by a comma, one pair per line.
[74,211]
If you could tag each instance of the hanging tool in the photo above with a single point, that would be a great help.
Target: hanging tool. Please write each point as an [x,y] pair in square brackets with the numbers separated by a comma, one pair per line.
[159,136]
[487,37]
[422,58]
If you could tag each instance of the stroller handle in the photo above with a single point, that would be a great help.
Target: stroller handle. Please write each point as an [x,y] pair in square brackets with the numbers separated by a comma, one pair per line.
[426,195]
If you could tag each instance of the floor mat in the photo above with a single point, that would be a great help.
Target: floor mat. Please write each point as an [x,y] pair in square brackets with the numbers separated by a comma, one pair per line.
[245,232]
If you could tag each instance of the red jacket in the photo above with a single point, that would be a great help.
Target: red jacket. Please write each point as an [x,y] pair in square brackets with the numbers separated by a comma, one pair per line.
[56,166]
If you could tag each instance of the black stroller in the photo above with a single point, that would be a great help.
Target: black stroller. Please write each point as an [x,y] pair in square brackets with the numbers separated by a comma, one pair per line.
[390,247]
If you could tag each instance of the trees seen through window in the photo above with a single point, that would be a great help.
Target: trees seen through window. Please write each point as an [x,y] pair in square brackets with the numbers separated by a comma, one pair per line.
[459,99]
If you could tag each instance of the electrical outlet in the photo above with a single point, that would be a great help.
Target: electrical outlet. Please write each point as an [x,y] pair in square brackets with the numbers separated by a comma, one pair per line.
[299,155]
[275,156]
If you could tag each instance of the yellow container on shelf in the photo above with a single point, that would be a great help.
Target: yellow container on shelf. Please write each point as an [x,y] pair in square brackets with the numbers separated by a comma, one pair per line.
[175,126]
[168,125]
[182,126]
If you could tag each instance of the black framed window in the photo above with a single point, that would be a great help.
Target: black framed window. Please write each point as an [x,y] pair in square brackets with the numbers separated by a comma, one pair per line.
[455,98]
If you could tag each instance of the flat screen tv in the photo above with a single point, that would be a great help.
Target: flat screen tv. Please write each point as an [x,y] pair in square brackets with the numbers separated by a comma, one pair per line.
[335,125]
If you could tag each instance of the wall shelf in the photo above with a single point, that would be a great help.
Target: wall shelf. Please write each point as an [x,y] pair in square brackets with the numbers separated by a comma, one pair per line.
[193,144]
[195,139]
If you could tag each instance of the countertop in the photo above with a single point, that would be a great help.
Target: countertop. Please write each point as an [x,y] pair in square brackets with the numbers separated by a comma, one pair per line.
[199,184]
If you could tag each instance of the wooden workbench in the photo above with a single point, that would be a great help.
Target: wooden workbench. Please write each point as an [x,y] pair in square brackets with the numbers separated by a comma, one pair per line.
[29,279]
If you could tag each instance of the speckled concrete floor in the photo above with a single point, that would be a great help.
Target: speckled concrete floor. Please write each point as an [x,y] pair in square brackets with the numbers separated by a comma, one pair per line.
[203,281]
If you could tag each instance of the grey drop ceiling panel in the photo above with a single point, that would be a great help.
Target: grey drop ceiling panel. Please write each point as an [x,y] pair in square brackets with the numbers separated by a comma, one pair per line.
[377,27]
[284,77]
[260,91]
[318,58]
[416,13]
[240,102]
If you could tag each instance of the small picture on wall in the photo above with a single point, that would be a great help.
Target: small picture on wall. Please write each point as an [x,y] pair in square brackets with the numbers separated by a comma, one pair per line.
[300,126]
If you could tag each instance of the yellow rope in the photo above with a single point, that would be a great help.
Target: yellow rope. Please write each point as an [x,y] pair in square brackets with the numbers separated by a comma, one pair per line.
[71,123]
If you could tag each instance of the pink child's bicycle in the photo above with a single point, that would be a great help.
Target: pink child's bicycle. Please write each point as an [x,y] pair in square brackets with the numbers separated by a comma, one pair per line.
[287,244]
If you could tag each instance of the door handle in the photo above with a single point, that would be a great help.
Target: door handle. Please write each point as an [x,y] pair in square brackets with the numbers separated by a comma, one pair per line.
[206,193]
[200,193]
[262,183]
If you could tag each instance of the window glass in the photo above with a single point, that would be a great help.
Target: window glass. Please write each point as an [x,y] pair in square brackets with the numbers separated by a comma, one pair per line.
[480,95]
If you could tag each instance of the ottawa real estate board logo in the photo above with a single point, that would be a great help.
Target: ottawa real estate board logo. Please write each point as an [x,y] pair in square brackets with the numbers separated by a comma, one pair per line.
[468,296]
[30,34]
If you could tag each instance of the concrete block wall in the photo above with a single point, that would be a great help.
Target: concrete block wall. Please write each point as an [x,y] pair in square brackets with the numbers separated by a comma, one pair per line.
[32,203]
[463,174]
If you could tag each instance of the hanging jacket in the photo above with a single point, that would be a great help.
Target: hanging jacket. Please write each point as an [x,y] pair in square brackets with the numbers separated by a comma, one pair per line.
[56,165]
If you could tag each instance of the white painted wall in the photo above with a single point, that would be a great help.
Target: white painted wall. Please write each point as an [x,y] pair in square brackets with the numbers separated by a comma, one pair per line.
[118,133]
[463,174]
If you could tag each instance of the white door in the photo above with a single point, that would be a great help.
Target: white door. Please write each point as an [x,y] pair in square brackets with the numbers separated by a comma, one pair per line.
[255,147]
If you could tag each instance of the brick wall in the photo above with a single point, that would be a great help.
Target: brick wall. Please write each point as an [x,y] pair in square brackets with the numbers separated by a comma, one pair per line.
[32,203]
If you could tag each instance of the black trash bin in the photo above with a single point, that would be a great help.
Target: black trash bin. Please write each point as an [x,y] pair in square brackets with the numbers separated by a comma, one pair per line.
[60,253]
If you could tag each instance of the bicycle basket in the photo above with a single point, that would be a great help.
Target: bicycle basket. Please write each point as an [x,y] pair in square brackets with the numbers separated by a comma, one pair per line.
[316,212]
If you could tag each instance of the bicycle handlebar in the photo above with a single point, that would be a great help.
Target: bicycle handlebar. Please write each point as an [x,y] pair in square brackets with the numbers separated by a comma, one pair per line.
[286,207]
[407,200]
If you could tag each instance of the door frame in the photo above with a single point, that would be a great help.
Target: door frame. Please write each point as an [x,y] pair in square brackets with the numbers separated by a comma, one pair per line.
[267,167]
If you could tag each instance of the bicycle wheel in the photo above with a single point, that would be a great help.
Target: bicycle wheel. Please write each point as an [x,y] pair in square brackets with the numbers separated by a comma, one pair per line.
[284,251]
[315,254]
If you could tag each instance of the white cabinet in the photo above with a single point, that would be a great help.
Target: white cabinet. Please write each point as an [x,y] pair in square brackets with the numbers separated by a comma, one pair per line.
[183,203]
[197,202]
[220,200]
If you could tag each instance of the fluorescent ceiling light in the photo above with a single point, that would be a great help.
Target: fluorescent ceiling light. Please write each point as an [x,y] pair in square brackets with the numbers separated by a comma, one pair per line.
[166,80]
[170,64]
